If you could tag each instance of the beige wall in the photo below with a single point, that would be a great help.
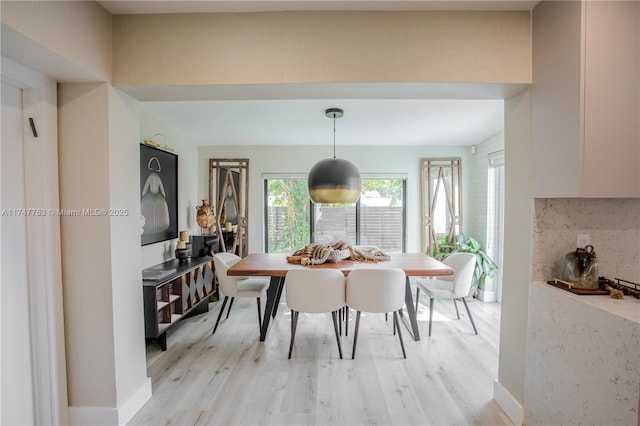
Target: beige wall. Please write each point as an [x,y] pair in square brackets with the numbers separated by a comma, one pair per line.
[99,158]
[78,31]
[86,243]
[321,47]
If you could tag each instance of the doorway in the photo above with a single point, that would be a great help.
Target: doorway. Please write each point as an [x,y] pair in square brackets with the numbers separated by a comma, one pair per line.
[17,400]
[34,388]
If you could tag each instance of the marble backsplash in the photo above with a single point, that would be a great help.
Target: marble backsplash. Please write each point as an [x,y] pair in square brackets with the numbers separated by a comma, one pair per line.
[612,223]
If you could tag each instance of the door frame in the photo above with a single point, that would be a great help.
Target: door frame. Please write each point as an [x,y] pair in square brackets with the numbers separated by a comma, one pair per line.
[44,280]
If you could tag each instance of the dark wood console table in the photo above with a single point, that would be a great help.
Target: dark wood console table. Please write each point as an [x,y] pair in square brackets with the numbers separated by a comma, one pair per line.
[173,290]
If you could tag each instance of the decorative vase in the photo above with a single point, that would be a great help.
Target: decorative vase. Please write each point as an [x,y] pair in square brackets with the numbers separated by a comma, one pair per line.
[205,218]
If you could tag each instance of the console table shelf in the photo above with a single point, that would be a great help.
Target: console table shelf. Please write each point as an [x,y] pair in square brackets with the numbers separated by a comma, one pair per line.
[174,290]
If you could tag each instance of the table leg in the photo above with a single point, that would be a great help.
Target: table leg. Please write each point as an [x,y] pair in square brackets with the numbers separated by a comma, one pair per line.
[408,300]
[273,298]
[275,307]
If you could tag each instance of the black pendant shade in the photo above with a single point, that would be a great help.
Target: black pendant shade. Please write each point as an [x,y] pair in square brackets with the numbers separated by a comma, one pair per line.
[334,180]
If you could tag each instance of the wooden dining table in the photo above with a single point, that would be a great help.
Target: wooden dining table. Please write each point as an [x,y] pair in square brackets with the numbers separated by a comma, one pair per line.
[275,265]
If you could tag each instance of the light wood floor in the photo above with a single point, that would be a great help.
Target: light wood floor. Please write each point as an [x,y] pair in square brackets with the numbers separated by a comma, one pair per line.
[231,378]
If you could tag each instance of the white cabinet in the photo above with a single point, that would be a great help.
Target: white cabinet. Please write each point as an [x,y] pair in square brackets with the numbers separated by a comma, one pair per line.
[583,359]
[586,99]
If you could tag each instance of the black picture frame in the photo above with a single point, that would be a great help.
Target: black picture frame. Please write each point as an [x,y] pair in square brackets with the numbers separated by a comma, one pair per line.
[158,195]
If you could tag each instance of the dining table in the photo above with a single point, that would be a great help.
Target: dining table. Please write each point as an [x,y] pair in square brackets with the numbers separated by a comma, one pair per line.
[276,266]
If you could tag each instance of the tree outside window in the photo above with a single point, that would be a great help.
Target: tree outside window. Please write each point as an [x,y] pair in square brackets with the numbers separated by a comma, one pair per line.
[293,221]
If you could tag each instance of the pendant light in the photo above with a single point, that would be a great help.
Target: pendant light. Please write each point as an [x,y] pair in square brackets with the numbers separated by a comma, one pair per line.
[334,180]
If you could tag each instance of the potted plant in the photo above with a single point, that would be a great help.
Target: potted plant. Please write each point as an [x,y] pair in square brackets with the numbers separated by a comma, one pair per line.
[485,266]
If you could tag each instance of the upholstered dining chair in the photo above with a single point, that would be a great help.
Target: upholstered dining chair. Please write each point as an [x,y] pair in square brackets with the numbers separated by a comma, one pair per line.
[452,287]
[376,291]
[314,291]
[232,287]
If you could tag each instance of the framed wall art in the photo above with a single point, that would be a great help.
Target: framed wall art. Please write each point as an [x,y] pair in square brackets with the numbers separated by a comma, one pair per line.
[158,195]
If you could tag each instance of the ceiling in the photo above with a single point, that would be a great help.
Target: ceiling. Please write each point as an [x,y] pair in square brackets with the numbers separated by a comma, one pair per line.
[425,115]
[303,121]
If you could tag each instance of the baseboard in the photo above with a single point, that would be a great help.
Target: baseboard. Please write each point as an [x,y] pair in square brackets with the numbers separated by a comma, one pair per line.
[112,416]
[486,296]
[134,403]
[508,403]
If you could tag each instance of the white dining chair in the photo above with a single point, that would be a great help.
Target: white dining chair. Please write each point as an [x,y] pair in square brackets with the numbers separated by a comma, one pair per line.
[376,290]
[314,291]
[232,286]
[452,287]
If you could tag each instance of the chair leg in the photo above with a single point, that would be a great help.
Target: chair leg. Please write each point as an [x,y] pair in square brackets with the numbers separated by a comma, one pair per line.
[335,328]
[396,323]
[259,314]
[456,305]
[430,315]
[417,298]
[224,302]
[470,317]
[346,320]
[230,305]
[355,336]
[294,325]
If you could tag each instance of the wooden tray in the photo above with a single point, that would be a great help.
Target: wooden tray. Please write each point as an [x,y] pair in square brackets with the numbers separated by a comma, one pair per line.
[580,290]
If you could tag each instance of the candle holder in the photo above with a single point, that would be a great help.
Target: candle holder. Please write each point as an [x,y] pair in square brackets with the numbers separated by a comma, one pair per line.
[183,255]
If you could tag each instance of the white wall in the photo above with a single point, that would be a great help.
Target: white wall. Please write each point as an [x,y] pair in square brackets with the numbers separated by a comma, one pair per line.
[477,222]
[477,219]
[509,388]
[188,198]
[128,322]
[299,159]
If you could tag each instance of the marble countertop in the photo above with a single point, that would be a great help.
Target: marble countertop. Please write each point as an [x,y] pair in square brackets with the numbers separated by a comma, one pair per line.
[627,308]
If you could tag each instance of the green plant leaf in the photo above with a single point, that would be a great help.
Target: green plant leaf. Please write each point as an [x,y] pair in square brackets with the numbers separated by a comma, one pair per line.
[485,266]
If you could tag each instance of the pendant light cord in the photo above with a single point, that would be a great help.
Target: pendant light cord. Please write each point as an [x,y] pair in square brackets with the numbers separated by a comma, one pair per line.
[334,113]
[334,136]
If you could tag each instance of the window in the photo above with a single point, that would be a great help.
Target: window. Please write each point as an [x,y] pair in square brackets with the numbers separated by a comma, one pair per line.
[293,221]
[495,217]
[287,214]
